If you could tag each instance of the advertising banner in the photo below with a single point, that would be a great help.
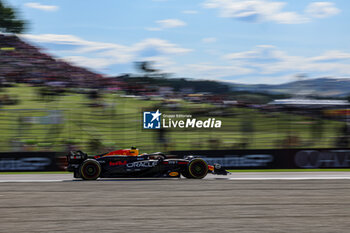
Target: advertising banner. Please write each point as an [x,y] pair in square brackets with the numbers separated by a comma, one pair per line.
[274,159]
[30,161]
[230,159]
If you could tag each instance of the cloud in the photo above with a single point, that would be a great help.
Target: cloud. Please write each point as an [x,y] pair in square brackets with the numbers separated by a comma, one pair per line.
[333,55]
[261,64]
[153,29]
[100,55]
[255,11]
[321,9]
[94,63]
[171,23]
[269,61]
[262,54]
[208,40]
[54,38]
[167,23]
[39,6]
[163,46]
[265,10]
[189,12]
[265,64]
[216,72]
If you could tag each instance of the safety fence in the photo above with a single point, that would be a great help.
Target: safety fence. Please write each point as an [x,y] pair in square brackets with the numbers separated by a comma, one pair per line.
[99,130]
[229,159]
[32,161]
[274,159]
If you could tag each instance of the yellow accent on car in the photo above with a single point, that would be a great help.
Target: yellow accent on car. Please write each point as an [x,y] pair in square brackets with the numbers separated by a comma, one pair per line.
[134,152]
[173,174]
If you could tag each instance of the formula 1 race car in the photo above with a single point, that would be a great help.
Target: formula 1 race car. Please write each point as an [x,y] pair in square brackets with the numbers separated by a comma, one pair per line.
[128,163]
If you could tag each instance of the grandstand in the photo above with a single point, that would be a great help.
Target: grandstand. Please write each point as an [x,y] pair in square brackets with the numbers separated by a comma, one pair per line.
[24,63]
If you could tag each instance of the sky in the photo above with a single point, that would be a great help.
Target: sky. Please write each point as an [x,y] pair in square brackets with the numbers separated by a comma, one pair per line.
[240,41]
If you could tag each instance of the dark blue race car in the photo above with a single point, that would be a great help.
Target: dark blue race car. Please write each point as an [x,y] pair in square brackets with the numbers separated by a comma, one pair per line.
[129,164]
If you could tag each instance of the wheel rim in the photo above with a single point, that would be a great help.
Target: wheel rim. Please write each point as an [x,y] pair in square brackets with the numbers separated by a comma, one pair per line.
[91,170]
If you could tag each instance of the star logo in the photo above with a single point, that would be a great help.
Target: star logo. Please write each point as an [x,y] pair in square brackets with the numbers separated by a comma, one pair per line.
[156,115]
[151,120]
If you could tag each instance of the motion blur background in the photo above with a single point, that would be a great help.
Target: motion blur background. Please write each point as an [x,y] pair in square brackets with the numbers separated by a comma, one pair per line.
[78,74]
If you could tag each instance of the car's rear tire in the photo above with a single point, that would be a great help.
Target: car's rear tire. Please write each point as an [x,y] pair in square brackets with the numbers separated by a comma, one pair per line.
[196,169]
[186,174]
[76,174]
[90,169]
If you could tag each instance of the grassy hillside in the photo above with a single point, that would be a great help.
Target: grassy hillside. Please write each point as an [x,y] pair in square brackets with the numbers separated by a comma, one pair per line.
[117,124]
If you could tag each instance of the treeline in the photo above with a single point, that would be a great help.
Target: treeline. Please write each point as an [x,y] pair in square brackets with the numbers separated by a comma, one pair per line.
[179,84]
[204,86]
[9,22]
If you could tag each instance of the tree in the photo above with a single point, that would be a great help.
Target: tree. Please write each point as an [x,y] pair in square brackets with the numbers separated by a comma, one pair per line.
[8,20]
[145,66]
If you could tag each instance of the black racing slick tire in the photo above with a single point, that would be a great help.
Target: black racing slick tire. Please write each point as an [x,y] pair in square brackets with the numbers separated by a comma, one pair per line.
[90,169]
[186,174]
[76,174]
[196,169]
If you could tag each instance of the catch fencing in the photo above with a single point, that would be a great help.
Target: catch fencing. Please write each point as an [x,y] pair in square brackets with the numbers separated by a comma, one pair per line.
[229,159]
[274,159]
[99,130]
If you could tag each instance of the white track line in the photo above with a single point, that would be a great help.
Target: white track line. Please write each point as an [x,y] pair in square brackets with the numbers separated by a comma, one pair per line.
[51,178]
[233,179]
[293,178]
[29,181]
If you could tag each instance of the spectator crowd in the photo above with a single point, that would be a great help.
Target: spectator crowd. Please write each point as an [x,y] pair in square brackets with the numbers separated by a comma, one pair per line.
[21,62]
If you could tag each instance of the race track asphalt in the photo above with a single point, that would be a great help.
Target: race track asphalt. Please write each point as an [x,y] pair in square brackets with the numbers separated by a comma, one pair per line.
[176,205]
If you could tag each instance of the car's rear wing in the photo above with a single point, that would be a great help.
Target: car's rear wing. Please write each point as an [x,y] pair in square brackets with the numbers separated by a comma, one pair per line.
[76,157]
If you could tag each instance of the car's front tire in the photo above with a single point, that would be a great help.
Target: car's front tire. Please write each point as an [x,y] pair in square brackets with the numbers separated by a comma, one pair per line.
[90,169]
[196,169]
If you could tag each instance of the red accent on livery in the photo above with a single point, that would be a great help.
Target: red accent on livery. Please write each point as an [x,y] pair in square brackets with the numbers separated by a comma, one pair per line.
[117,163]
[182,162]
[126,152]
[129,152]
[119,152]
